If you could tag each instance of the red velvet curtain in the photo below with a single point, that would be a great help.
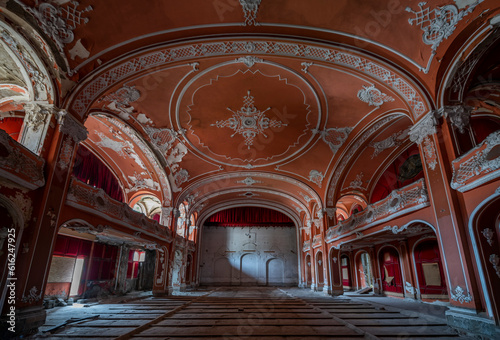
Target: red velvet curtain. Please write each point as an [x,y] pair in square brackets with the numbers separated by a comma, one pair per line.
[91,170]
[249,216]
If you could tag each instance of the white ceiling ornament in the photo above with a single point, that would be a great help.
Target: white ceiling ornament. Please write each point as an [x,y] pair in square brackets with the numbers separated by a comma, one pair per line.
[58,22]
[249,61]
[316,177]
[394,140]
[373,96]
[334,137]
[438,24]
[249,181]
[357,183]
[162,139]
[250,8]
[248,121]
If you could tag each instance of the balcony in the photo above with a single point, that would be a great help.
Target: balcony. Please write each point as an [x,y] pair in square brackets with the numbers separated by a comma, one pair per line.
[399,202]
[19,164]
[478,166]
[95,201]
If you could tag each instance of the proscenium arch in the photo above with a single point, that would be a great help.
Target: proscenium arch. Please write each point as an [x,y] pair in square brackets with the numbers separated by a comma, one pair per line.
[95,85]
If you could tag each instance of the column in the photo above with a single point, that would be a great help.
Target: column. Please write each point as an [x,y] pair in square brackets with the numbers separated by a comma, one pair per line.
[437,149]
[32,265]
[121,272]
[36,124]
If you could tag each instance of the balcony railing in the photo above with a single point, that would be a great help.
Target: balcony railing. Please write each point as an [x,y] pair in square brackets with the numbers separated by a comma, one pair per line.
[399,202]
[478,166]
[19,164]
[85,197]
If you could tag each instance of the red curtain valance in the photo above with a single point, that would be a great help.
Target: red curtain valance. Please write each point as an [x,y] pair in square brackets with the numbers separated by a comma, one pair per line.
[248,216]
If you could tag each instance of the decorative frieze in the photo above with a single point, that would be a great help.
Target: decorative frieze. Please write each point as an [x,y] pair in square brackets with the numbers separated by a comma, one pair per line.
[478,166]
[400,201]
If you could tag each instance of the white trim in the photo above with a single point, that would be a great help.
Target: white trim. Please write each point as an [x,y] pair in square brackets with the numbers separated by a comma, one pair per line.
[474,242]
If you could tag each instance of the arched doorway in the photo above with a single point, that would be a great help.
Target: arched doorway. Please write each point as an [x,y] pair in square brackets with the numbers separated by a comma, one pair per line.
[320,279]
[308,271]
[364,273]
[275,272]
[390,270]
[346,272]
[429,268]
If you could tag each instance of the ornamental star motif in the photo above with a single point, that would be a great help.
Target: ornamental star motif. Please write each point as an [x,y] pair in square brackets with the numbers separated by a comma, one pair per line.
[249,121]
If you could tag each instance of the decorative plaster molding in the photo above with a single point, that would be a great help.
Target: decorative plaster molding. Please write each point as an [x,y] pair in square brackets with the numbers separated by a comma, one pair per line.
[334,137]
[423,128]
[19,164]
[35,116]
[354,149]
[459,295]
[41,82]
[250,9]
[249,60]
[459,115]
[58,22]
[438,24]
[430,153]
[398,202]
[32,296]
[316,177]
[482,162]
[393,141]
[373,96]
[409,288]
[162,139]
[330,212]
[495,260]
[249,181]
[488,235]
[249,121]
[357,183]
[70,126]
[164,56]
[305,66]
[405,229]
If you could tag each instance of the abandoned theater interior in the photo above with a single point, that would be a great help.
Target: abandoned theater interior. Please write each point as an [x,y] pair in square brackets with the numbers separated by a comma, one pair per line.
[318,147]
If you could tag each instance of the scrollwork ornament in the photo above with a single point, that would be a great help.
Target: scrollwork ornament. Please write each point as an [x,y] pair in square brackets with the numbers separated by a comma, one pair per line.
[460,296]
[495,260]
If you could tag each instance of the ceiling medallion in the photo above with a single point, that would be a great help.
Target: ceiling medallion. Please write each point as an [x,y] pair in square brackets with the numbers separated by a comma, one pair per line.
[249,121]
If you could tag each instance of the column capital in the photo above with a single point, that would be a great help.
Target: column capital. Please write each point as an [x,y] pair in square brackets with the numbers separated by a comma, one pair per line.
[424,127]
[70,126]
[330,212]
[35,115]
[458,115]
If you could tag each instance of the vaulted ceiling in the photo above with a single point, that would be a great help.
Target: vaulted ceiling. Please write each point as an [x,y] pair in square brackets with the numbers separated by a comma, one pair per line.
[276,103]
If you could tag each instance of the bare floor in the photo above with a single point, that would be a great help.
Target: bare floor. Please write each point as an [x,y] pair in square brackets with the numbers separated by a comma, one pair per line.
[262,313]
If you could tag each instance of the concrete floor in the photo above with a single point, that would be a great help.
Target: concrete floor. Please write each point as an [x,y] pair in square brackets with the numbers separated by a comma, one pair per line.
[262,313]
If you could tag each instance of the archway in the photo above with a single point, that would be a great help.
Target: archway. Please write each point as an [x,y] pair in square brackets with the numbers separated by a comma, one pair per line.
[320,278]
[275,272]
[364,275]
[346,272]
[308,271]
[390,270]
[429,268]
